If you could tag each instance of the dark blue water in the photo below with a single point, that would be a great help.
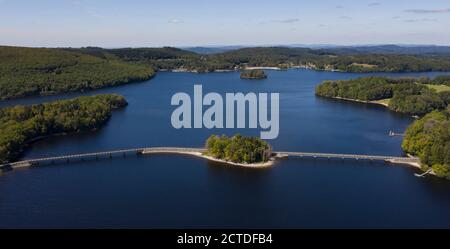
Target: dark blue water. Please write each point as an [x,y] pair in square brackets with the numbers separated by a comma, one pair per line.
[181,191]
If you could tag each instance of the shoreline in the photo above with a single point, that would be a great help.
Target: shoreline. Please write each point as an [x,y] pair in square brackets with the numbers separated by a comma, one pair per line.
[360,101]
[414,165]
[184,70]
[226,70]
[267,164]
[262,68]
[411,164]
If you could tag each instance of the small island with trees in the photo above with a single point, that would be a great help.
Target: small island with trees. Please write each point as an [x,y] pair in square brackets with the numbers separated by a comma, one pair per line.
[239,150]
[253,74]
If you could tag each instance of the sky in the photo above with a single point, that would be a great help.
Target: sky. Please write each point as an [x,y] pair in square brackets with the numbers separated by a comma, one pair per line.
[139,23]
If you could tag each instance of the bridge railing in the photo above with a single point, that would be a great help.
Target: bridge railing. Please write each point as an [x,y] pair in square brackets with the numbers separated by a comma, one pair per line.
[188,150]
[351,156]
[104,153]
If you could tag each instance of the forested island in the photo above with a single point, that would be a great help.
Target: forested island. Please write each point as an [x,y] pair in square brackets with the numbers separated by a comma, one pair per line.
[416,96]
[428,137]
[20,125]
[238,149]
[45,71]
[253,74]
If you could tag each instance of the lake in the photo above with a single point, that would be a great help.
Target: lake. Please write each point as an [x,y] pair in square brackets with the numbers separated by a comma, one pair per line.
[174,191]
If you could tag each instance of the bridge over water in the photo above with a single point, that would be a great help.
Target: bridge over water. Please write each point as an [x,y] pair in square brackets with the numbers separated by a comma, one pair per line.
[193,151]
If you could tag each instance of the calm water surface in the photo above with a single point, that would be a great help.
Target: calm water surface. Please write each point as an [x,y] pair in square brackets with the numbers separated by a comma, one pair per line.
[181,191]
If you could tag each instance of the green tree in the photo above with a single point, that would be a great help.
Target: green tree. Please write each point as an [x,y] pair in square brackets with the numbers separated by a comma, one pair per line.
[238,148]
[19,125]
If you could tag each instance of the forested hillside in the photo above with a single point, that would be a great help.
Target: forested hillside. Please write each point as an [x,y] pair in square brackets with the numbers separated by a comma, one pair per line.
[429,138]
[407,95]
[319,59]
[43,71]
[21,124]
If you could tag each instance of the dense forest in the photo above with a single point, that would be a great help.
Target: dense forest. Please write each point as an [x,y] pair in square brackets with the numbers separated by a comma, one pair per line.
[429,138]
[407,95]
[43,71]
[360,63]
[253,74]
[319,59]
[19,125]
[238,149]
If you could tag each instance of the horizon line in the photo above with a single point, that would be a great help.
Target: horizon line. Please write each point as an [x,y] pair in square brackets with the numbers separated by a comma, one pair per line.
[299,45]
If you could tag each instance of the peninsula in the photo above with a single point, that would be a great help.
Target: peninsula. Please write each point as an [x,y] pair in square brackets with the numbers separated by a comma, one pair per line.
[20,125]
[428,136]
[415,96]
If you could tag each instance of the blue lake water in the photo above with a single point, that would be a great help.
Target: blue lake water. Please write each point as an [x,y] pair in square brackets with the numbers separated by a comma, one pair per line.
[181,191]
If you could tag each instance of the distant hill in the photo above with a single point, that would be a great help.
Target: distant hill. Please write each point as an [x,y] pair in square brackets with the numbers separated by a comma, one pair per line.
[211,50]
[337,49]
[135,54]
[392,49]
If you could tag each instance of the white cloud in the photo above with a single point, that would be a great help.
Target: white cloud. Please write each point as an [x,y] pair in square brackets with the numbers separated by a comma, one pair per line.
[289,20]
[428,11]
[286,21]
[420,20]
[175,21]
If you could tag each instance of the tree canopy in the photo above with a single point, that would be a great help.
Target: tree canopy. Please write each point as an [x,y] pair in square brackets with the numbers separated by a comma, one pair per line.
[407,95]
[44,71]
[19,125]
[320,59]
[238,149]
[429,138]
